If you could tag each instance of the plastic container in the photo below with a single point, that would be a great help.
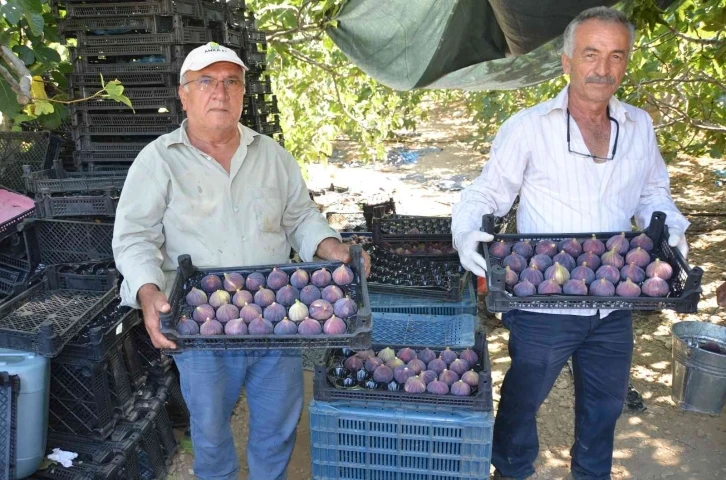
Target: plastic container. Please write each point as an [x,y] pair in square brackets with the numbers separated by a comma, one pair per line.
[9,227]
[51,241]
[38,150]
[77,206]
[412,305]
[152,455]
[9,390]
[417,330]
[163,425]
[183,35]
[31,418]
[153,78]
[148,7]
[113,470]
[57,180]
[168,390]
[398,227]
[384,443]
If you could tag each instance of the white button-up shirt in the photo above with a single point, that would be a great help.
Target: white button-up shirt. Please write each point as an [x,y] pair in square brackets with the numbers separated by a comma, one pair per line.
[561,192]
[178,200]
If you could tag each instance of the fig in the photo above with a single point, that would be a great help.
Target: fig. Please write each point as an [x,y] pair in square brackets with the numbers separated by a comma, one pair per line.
[549,287]
[343,275]
[593,245]
[602,287]
[575,287]
[211,283]
[461,389]
[469,356]
[406,354]
[660,269]
[427,376]
[364,354]
[309,294]
[655,287]
[437,388]
[532,275]
[249,312]
[298,312]
[353,363]
[426,355]
[541,262]
[471,378]
[332,293]
[612,257]
[309,326]
[233,282]
[546,247]
[386,354]
[264,297]
[557,273]
[627,289]
[187,326]
[638,256]
[523,248]
[565,259]
[459,366]
[592,260]
[394,362]
[287,296]
[515,261]
[448,355]
[372,363]
[402,373]
[571,246]
[448,376]
[510,276]
[203,312]
[583,272]
[619,243]
[437,365]
[499,249]
[416,365]
[334,326]
[227,312]
[235,326]
[211,327]
[608,272]
[299,278]
[254,281]
[345,307]
[219,298]
[241,298]
[525,289]
[633,272]
[321,310]
[274,312]
[414,385]
[196,297]
[643,241]
[321,278]
[260,326]
[383,374]
[277,279]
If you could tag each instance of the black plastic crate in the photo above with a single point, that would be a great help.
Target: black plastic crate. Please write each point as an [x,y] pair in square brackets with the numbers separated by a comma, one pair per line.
[480,399]
[139,52]
[111,144]
[9,391]
[121,389]
[255,38]
[113,470]
[357,334]
[685,284]
[12,281]
[412,229]
[151,78]
[115,67]
[93,159]
[260,105]
[149,7]
[179,35]
[86,118]
[226,34]
[169,390]
[171,104]
[35,149]
[57,180]
[51,241]
[14,262]
[165,432]
[151,455]
[148,353]
[347,221]
[378,210]
[123,25]
[215,11]
[257,61]
[76,206]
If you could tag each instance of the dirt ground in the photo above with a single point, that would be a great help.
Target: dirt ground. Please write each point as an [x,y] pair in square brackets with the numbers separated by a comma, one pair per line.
[662,441]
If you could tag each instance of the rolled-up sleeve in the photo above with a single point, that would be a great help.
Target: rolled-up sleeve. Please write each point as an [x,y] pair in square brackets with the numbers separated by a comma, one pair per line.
[138,231]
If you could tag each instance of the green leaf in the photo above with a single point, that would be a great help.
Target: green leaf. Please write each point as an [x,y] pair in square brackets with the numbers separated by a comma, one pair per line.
[25,54]
[8,101]
[65,67]
[34,7]
[47,55]
[52,120]
[60,78]
[114,88]
[43,107]
[11,12]
[35,22]
[126,101]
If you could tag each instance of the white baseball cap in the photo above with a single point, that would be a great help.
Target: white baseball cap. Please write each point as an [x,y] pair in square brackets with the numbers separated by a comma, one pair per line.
[204,56]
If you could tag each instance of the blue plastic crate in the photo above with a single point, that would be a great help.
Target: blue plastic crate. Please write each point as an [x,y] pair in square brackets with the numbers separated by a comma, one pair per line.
[392,444]
[381,302]
[417,330]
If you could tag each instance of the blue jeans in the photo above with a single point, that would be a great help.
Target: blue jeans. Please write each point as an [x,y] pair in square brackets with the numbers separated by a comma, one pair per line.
[539,345]
[211,384]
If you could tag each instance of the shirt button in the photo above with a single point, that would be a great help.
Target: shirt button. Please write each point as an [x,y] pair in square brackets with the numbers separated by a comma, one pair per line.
[236,209]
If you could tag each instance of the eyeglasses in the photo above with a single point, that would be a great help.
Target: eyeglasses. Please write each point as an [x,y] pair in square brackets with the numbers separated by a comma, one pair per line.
[231,85]
[595,158]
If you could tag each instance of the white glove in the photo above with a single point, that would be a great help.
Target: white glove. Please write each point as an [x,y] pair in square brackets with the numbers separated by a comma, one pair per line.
[677,238]
[468,252]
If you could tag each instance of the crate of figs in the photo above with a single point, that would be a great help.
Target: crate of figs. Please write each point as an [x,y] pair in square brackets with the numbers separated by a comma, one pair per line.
[405,227]
[634,270]
[433,376]
[302,305]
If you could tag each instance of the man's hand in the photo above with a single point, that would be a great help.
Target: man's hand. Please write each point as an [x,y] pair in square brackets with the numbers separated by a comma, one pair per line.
[468,252]
[677,238]
[332,249]
[152,302]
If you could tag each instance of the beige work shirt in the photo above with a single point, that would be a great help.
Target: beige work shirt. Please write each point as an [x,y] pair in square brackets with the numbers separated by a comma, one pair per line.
[178,200]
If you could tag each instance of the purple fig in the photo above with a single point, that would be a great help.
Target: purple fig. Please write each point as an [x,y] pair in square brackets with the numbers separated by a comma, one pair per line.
[571,246]
[448,355]
[612,257]
[627,289]
[461,389]
[299,278]
[532,275]
[203,312]
[353,363]
[211,283]
[459,366]
[469,356]
[334,326]
[659,269]
[602,288]
[264,297]
[187,326]
[414,385]
[549,287]
[364,354]
[235,327]
[277,279]
[583,272]
[309,294]
[254,281]
[633,272]
[593,245]
[321,278]
[298,312]
[285,327]
[233,282]
[609,273]
[383,374]
[219,298]
[592,260]
[345,308]
[575,287]
[406,354]
[427,376]
[343,275]
[655,287]
[643,241]
[558,273]
[227,312]
[287,295]
[448,376]
[565,259]
[211,327]
[274,312]
[619,243]
[515,261]
[196,297]
[402,373]
[525,289]
[437,388]
[372,363]
[437,365]
[499,249]
[541,262]
[510,276]
[394,362]
[332,293]
[416,365]
[249,312]
[321,310]
[638,256]
[523,248]
[426,355]
[260,326]
[387,354]
[241,298]
[309,327]
[471,378]
[546,247]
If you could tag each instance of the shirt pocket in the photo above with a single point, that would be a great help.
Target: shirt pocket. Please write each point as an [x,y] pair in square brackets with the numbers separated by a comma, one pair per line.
[267,206]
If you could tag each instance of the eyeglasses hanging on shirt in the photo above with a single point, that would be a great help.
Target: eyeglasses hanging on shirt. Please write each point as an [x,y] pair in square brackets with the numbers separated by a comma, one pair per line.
[595,158]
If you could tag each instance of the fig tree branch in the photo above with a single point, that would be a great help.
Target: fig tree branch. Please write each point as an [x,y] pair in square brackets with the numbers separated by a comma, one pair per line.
[21,87]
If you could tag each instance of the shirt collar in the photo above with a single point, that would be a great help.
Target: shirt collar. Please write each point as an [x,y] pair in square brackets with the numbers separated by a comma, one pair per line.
[617,110]
[180,135]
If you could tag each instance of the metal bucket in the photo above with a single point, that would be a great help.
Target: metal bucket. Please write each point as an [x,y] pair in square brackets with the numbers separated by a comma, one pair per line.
[699,375]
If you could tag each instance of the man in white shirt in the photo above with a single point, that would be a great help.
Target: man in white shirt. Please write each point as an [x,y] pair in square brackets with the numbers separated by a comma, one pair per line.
[229,197]
[581,162]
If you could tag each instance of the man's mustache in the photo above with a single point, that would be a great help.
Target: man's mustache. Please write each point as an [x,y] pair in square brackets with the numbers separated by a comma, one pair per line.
[598,79]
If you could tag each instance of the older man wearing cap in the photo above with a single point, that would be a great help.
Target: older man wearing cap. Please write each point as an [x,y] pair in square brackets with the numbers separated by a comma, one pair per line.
[227,196]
